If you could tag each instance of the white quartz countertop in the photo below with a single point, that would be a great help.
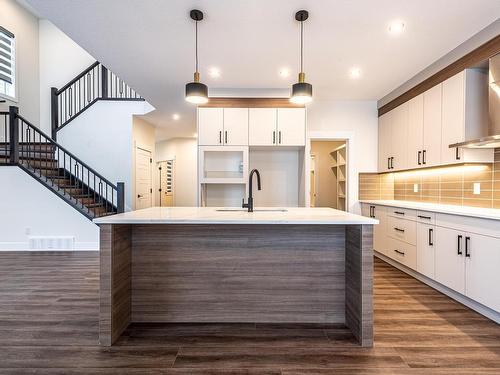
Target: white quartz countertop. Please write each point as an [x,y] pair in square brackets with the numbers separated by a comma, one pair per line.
[212,215]
[483,213]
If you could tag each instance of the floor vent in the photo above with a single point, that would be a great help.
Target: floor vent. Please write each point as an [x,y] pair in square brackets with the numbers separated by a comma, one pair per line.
[51,243]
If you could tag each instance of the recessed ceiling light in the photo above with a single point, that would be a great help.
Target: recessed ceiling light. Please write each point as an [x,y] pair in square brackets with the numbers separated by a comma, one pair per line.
[355,72]
[396,27]
[284,72]
[214,72]
[176,116]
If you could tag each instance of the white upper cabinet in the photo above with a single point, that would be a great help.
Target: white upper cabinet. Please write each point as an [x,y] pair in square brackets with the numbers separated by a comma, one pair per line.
[223,126]
[210,126]
[262,126]
[415,131]
[384,142]
[277,127]
[235,126]
[291,129]
[431,145]
[399,155]
[465,116]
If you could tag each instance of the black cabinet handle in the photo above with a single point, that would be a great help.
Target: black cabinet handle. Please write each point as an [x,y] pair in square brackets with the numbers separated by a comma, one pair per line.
[399,229]
[399,213]
[274,137]
[220,136]
[424,217]
[459,245]
[371,211]
[423,157]
[431,242]
[457,154]
[418,158]
[279,137]
[225,137]
[388,163]
[400,252]
[467,247]
[392,162]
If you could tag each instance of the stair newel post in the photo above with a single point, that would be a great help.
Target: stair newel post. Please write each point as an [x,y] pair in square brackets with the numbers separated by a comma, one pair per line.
[104,82]
[120,199]
[54,112]
[14,135]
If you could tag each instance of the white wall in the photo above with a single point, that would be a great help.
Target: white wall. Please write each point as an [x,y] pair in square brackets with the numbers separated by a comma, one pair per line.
[32,209]
[185,153]
[102,138]
[353,120]
[143,136]
[24,26]
[60,61]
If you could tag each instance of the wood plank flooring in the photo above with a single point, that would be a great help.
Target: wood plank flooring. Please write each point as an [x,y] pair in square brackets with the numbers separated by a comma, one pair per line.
[49,312]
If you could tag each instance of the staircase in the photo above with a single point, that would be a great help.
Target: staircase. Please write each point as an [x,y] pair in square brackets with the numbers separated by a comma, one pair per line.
[56,168]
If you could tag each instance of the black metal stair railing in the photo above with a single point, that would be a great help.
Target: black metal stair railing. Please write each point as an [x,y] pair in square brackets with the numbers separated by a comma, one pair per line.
[78,184]
[93,84]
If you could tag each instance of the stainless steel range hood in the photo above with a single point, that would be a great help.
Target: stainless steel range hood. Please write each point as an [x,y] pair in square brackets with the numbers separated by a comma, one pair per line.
[492,140]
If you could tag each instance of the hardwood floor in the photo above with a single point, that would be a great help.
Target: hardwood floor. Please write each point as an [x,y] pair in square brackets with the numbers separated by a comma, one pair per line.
[49,324]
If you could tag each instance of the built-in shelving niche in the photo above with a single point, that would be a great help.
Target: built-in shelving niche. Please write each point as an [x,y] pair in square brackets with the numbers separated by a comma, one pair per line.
[339,168]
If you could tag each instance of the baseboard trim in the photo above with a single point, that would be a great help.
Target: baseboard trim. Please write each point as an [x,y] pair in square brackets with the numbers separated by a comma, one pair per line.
[471,304]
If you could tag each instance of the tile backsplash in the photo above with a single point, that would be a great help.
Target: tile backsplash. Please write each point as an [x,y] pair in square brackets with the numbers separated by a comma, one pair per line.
[475,185]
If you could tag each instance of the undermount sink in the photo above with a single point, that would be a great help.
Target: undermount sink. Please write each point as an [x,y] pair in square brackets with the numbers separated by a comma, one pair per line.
[255,210]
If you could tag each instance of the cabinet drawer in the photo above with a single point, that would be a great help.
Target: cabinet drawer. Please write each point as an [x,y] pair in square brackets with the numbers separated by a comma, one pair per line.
[476,225]
[403,252]
[402,213]
[426,217]
[402,229]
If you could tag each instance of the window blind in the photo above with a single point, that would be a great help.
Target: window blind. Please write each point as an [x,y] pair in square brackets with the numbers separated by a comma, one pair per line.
[6,55]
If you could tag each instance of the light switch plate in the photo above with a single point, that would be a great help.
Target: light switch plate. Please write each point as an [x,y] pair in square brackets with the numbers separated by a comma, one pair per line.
[415,188]
[477,188]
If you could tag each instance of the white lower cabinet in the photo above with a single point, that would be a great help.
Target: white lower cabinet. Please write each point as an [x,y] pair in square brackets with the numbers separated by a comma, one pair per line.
[426,239]
[446,248]
[482,269]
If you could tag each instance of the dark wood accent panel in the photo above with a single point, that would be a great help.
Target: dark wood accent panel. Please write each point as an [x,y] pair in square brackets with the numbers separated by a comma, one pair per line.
[251,103]
[483,52]
[359,282]
[49,315]
[115,282]
[238,273]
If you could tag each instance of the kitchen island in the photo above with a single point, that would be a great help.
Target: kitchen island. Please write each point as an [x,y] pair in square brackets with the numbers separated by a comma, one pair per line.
[220,265]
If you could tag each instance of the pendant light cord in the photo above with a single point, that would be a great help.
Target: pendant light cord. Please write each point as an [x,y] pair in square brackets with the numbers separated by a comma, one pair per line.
[301,46]
[196,44]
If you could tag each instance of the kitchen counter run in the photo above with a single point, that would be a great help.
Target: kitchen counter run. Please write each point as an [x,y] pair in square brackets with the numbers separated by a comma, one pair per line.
[210,215]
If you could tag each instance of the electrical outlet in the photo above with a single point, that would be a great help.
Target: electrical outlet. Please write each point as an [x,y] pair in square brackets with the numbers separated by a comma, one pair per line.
[415,188]
[477,188]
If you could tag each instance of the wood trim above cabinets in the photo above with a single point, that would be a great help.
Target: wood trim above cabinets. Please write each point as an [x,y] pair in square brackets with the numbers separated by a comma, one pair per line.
[250,103]
[483,52]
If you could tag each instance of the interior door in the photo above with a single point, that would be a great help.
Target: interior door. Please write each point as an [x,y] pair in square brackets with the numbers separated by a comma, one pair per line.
[291,126]
[432,126]
[143,184]
[415,131]
[450,258]
[262,127]
[210,126]
[235,126]
[482,265]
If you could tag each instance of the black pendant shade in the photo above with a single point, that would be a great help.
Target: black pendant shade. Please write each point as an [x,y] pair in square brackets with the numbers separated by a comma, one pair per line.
[196,92]
[301,91]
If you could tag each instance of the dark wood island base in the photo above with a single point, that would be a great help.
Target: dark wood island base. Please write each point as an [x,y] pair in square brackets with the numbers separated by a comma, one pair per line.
[232,273]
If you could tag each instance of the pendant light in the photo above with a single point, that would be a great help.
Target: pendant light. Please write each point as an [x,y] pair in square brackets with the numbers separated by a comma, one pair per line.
[196,92]
[301,91]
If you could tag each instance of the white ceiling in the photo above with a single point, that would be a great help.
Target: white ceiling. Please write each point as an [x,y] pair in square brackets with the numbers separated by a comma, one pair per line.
[150,44]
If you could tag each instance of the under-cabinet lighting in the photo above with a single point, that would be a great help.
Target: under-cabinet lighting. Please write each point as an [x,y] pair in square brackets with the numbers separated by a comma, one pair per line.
[442,170]
[396,27]
[176,116]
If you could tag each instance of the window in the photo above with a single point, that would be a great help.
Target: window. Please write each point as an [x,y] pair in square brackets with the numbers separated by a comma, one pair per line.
[7,64]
